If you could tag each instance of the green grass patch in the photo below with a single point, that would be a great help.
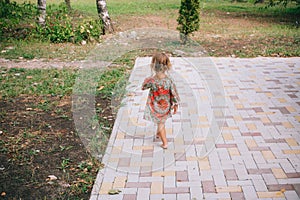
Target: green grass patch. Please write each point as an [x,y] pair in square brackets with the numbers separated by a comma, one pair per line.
[114,79]
[141,7]
[288,14]
[29,49]
[16,82]
[121,7]
[41,82]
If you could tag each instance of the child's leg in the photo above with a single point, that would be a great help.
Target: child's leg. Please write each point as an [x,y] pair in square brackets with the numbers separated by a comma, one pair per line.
[162,133]
[157,132]
[159,128]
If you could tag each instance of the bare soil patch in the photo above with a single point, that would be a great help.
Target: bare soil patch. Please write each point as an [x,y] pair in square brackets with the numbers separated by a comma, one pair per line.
[37,141]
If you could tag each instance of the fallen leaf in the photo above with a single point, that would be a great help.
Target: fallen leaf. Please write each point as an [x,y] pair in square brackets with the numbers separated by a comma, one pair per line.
[36,132]
[51,178]
[101,87]
[114,191]
[79,180]
[64,184]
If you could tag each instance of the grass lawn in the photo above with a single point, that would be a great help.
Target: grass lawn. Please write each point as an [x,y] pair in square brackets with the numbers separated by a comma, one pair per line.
[226,29]
[37,132]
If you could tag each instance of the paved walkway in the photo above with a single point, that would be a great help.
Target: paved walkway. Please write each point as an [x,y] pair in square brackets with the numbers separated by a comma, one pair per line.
[239,143]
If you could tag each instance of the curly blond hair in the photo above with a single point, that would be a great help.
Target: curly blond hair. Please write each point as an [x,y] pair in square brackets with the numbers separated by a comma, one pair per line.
[160,62]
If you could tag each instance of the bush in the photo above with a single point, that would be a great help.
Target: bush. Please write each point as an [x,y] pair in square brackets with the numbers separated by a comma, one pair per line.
[60,27]
[18,21]
[89,31]
[188,20]
[14,19]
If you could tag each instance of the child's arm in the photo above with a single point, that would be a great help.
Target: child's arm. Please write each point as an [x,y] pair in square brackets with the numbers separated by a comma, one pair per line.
[175,107]
[174,97]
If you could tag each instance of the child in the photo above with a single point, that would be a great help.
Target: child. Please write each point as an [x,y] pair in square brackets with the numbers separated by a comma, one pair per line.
[163,96]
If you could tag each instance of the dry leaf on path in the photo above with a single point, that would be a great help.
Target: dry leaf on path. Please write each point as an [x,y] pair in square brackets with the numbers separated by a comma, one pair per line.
[114,191]
[51,178]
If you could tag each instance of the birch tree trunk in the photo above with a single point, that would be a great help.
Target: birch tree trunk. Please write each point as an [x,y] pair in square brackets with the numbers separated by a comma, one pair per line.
[104,16]
[41,12]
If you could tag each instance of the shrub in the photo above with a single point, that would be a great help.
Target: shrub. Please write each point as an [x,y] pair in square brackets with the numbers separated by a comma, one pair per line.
[60,27]
[89,31]
[18,21]
[14,19]
[188,19]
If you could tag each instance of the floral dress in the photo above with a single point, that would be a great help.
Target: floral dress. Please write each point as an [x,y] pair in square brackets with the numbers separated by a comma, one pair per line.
[162,97]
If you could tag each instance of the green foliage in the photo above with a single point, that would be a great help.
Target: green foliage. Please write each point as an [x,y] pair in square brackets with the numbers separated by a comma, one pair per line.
[15,11]
[89,31]
[110,79]
[18,21]
[188,19]
[15,82]
[141,7]
[60,27]
[271,3]
[14,19]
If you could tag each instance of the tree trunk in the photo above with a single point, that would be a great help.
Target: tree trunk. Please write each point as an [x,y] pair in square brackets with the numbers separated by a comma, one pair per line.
[68,4]
[41,12]
[104,16]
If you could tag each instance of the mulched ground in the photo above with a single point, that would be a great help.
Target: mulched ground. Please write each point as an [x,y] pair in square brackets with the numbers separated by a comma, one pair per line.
[38,139]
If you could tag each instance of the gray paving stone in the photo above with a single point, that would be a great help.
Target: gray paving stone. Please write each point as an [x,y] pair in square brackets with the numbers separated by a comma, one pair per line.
[143,193]
[162,196]
[291,195]
[110,197]
[259,185]
[269,179]
[249,192]
[240,183]
[169,181]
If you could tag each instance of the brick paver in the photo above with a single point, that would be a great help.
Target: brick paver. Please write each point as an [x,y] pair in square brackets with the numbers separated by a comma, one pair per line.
[246,147]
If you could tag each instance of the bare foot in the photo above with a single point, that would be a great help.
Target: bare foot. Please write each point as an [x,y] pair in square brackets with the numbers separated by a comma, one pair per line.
[164,146]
